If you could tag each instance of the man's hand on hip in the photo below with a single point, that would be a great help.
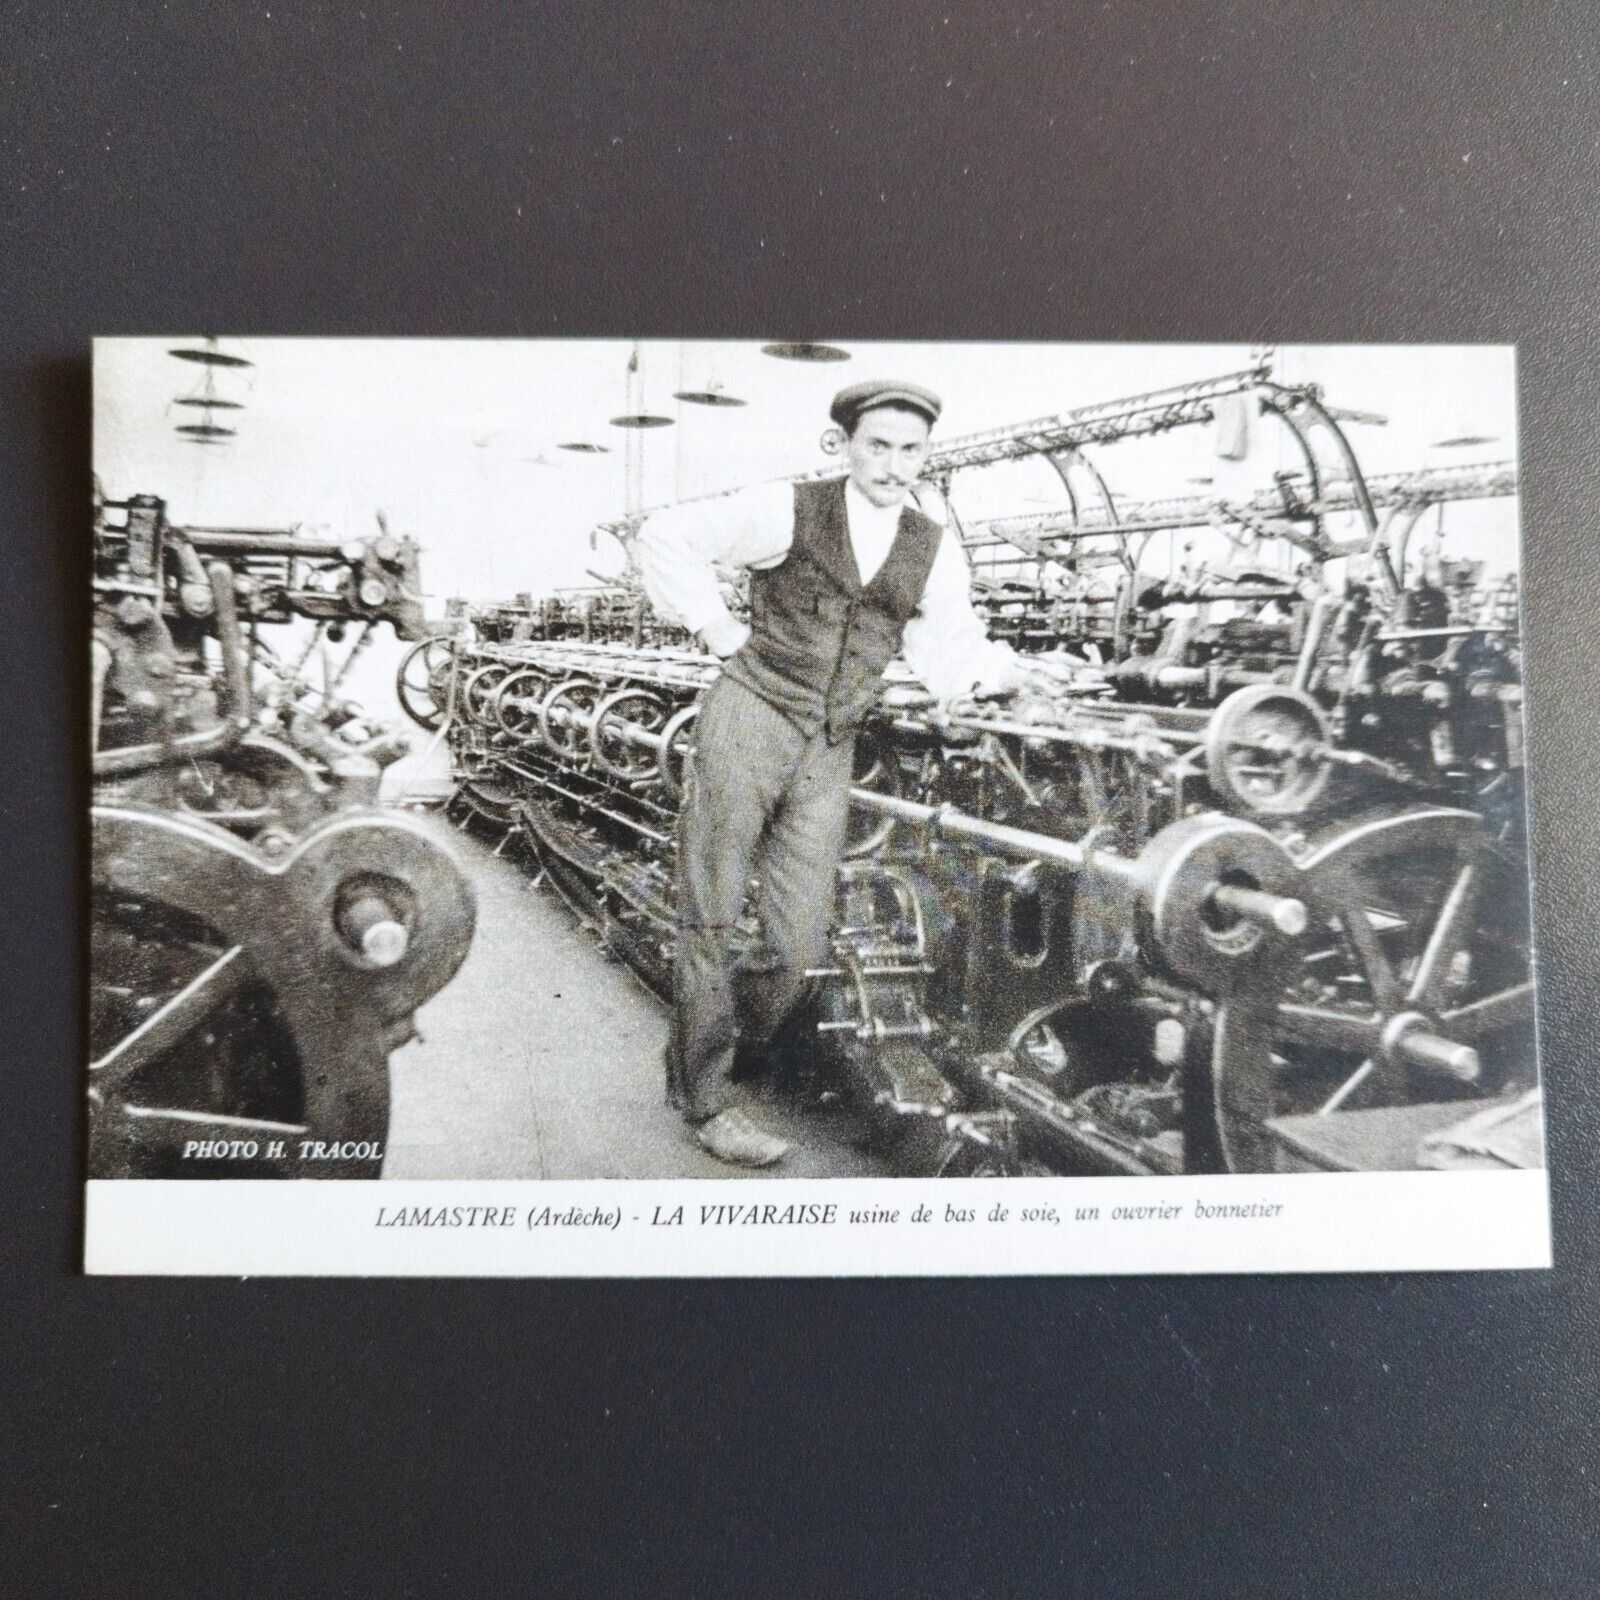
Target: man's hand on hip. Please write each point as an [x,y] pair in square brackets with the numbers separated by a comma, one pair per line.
[725,636]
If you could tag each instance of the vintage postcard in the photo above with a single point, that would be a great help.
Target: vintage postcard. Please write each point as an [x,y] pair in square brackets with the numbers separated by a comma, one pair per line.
[693,808]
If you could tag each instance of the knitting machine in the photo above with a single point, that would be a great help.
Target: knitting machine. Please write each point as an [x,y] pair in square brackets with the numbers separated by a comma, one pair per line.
[262,932]
[1249,857]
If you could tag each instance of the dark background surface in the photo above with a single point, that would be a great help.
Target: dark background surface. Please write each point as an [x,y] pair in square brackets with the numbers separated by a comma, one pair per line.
[1278,172]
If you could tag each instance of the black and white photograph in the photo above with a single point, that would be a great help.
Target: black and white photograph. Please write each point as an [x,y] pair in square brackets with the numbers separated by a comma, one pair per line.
[646,760]
[816,814]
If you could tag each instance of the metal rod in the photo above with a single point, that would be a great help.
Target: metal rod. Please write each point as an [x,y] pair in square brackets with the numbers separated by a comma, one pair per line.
[166,1025]
[263,542]
[1099,738]
[1017,843]
[1281,912]
[1347,1088]
[1288,916]
[1322,613]
[1432,1052]
[213,1119]
[591,805]
[1046,1112]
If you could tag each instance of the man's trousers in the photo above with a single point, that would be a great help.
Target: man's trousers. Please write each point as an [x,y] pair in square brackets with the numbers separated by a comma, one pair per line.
[764,801]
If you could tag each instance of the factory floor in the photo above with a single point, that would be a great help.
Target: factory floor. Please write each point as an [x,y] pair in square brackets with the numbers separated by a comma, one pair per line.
[542,1059]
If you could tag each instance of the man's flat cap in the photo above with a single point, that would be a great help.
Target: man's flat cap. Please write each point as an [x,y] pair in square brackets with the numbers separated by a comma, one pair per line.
[849,403]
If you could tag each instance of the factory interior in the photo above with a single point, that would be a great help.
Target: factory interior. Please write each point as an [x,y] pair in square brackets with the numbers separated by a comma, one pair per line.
[390,746]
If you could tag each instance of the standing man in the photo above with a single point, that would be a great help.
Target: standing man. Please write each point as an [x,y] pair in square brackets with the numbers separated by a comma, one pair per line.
[844,573]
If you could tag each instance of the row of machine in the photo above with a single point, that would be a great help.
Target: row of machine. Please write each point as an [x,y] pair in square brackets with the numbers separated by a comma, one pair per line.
[1243,886]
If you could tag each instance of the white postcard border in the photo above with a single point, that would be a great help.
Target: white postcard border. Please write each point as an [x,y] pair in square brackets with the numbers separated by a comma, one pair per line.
[1294,1223]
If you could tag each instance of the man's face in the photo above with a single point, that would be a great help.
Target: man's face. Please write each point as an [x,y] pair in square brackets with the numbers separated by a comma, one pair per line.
[886,453]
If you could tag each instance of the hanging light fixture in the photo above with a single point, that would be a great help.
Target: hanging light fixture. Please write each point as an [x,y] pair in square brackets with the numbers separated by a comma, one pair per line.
[804,350]
[583,447]
[712,395]
[637,414]
[1458,375]
[637,419]
[699,382]
[210,358]
[210,354]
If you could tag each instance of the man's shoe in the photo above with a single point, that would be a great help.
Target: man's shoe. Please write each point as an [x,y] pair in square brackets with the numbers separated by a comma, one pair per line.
[732,1137]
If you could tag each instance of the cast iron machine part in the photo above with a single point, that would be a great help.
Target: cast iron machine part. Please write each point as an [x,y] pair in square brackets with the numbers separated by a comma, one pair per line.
[247,998]
[262,933]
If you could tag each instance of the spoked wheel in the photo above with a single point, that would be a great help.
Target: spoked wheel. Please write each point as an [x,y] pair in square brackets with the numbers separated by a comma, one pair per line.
[422,683]
[672,758]
[478,690]
[196,1072]
[564,717]
[515,704]
[1412,984]
[624,735]
[245,1003]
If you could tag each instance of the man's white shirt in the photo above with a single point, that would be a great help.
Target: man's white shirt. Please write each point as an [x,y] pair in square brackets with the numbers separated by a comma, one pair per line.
[679,549]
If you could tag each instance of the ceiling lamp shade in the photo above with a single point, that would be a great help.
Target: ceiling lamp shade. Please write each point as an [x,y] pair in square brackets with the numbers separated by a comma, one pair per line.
[709,396]
[211,360]
[699,381]
[1466,419]
[583,447]
[641,419]
[804,350]
[210,356]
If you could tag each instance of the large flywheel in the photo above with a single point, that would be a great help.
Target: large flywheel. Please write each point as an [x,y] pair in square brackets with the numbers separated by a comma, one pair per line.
[1411,984]
[245,1002]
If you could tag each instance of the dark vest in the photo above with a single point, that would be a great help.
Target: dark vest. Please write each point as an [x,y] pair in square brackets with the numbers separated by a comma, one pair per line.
[819,639]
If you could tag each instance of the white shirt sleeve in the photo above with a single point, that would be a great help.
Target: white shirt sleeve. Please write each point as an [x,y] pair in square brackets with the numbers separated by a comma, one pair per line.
[680,547]
[945,642]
